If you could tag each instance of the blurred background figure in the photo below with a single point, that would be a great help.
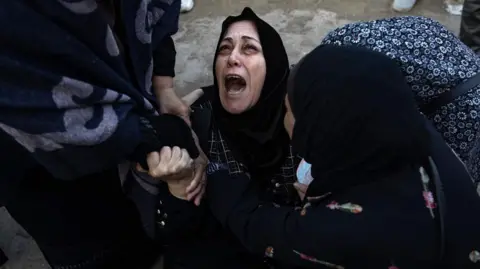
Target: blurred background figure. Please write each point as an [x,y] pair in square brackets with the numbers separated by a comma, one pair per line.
[187,6]
[470,25]
[453,7]
[403,5]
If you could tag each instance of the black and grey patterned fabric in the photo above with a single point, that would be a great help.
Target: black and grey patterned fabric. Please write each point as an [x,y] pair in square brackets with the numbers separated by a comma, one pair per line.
[278,189]
[76,112]
[433,61]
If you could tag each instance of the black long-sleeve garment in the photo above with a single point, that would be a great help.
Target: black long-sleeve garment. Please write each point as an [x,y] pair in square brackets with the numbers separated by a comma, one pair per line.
[164,58]
[386,223]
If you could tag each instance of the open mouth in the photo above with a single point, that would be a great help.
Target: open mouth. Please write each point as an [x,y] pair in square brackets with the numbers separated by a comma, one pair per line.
[235,84]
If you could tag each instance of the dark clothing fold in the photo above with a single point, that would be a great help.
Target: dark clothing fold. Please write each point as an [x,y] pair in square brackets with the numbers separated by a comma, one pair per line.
[403,233]
[470,24]
[76,224]
[76,100]
[81,99]
[19,163]
[3,258]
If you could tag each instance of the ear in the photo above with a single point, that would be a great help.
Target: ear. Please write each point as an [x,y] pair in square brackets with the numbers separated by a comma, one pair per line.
[192,97]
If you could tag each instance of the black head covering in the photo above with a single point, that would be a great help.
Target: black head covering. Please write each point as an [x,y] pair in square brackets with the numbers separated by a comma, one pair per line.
[356,117]
[257,137]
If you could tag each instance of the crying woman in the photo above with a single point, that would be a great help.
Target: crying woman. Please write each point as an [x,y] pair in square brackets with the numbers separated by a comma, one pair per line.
[239,122]
[246,106]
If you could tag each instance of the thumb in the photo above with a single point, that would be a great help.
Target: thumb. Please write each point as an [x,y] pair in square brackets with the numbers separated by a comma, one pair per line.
[153,160]
[190,98]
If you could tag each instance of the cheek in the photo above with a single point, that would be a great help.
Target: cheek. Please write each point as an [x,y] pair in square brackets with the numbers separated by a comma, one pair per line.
[257,71]
[219,66]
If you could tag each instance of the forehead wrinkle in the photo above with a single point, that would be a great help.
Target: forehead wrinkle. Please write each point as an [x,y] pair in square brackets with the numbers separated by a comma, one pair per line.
[244,38]
[243,28]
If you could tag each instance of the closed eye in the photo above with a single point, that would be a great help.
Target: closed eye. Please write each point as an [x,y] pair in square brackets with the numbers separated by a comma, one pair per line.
[224,48]
[249,48]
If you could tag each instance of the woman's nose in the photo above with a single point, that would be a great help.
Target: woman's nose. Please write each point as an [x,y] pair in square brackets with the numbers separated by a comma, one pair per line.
[234,59]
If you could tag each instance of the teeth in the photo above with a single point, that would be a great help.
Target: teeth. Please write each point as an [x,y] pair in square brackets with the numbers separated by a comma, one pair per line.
[233,77]
[234,83]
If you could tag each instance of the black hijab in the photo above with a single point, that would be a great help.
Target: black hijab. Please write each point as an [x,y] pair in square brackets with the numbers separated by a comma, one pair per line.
[257,137]
[356,118]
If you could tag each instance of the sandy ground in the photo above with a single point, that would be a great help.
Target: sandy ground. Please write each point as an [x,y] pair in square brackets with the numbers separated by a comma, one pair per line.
[302,24]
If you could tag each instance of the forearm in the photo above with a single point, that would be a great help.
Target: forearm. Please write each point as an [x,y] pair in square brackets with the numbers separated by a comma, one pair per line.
[16,162]
[279,233]
[161,83]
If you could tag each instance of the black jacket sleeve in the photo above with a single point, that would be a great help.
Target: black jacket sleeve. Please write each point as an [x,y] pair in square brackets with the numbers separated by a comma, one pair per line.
[182,218]
[164,216]
[319,236]
[164,58]
[164,130]
[278,233]
[15,162]
[177,219]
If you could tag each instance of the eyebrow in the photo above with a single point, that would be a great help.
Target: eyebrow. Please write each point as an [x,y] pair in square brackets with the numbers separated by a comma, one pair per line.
[245,37]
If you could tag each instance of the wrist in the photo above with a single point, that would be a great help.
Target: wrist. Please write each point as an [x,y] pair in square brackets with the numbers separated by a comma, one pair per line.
[162,84]
[178,183]
[178,190]
[161,90]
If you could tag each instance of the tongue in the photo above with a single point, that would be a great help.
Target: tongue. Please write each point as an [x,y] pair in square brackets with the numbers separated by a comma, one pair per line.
[236,87]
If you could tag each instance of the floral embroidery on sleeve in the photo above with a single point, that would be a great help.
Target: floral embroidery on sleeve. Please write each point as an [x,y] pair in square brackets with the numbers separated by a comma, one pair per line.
[347,207]
[427,194]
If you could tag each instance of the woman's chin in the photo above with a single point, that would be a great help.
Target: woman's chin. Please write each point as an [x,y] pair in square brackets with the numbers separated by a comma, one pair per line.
[235,107]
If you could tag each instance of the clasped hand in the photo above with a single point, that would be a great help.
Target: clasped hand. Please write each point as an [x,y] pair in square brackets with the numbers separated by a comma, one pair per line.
[185,176]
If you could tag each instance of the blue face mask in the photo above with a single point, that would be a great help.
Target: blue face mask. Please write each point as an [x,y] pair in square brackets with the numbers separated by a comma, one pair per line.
[304,175]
